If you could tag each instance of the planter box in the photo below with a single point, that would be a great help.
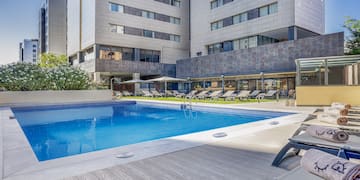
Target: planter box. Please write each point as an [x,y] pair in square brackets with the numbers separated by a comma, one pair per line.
[53,97]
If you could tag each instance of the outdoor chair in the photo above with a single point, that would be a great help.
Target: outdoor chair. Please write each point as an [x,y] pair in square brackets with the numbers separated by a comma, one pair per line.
[349,149]
[147,93]
[126,93]
[254,93]
[156,93]
[214,95]
[229,95]
[202,94]
[271,94]
[118,94]
[242,95]
[178,94]
[191,94]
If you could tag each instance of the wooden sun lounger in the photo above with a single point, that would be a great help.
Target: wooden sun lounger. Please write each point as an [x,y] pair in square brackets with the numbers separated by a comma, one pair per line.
[243,95]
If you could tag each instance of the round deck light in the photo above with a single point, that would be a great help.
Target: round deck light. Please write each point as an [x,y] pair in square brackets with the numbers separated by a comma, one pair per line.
[220,135]
[125,155]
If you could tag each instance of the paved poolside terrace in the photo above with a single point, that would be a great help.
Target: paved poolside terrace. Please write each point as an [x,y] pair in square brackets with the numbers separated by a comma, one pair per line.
[246,153]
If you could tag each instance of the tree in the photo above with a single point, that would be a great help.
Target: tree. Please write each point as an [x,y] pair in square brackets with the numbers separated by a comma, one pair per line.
[49,60]
[353,43]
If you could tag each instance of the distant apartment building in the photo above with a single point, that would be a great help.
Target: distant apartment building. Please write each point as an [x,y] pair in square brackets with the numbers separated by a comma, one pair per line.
[52,27]
[28,51]
[123,37]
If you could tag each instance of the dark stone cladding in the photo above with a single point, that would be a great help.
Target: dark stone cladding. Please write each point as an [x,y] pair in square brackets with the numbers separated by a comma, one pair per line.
[144,68]
[271,58]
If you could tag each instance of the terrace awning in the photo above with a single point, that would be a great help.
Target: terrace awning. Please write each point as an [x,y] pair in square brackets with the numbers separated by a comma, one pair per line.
[166,79]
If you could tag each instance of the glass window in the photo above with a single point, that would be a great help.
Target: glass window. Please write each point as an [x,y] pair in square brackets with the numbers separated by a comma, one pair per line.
[175,3]
[174,20]
[213,4]
[273,8]
[174,38]
[253,41]
[151,15]
[211,49]
[128,54]
[244,17]
[218,48]
[220,24]
[120,29]
[264,11]
[114,7]
[214,26]
[228,46]
[148,33]
[244,43]
[236,19]
[236,44]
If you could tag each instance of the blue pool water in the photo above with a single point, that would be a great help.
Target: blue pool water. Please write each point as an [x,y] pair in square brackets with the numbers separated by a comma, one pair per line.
[60,131]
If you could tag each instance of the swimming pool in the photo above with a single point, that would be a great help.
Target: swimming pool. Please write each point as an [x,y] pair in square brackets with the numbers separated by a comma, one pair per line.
[60,131]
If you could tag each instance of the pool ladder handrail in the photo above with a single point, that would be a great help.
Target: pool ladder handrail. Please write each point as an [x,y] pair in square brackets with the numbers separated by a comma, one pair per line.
[187,104]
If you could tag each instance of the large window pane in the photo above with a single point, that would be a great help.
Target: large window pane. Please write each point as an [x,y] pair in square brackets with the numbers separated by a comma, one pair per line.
[253,42]
[273,8]
[228,46]
[114,7]
[264,11]
[244,17]
[148,33]
[236,44]
[236,19]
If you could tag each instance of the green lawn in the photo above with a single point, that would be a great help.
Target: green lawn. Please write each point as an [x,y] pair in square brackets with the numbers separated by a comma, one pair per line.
[174,99]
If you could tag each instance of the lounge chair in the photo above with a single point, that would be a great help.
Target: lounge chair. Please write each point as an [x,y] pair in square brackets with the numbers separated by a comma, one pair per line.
[349,149]
[156,93]
[271,94]
[191,94]
[178,94]
[243,95]
[118,94]
[147,93]
[126,93]
[202,95]
[254,93]
[292,94]
[214,95]
[229,95]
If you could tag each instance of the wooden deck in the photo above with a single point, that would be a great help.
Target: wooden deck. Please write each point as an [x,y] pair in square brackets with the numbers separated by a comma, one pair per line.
[246,157]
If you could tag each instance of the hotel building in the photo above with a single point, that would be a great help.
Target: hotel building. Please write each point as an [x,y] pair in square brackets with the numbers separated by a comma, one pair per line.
[52,27]
[122,38]
[254,43]
[246,43]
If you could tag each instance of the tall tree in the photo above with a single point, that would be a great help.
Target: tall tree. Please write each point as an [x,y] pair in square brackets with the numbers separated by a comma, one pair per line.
[353,43]
[49,60]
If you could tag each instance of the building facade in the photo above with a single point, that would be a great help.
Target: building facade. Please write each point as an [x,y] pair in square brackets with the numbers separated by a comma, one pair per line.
[52,27]
[268,67]
[120,37]
[28,51]
[226,25]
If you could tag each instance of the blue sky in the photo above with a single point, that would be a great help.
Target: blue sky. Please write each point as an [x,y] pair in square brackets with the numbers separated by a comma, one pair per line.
[18,20]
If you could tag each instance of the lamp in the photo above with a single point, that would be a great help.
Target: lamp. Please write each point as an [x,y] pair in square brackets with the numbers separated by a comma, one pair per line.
[223,83]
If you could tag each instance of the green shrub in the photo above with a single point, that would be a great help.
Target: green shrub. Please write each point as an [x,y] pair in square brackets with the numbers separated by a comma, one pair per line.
[31,77]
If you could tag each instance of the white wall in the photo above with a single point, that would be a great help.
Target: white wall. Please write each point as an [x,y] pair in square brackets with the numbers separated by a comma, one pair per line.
[88,22]
[310,14]
[53,97]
